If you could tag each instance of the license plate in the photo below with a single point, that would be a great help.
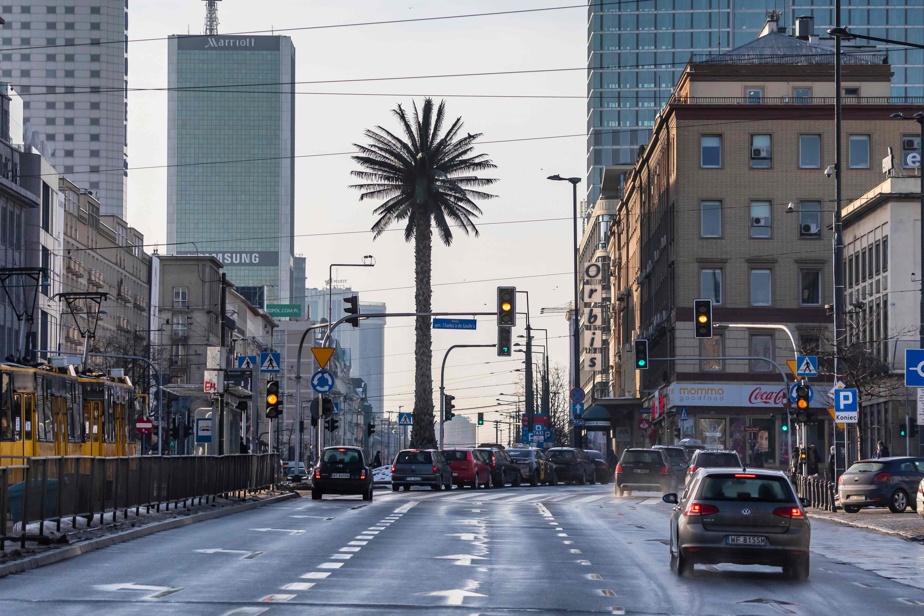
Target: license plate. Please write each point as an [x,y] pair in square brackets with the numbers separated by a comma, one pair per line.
[413,479]
[455,474]
[746,540]
[856,497]
[339,475]
[641,470]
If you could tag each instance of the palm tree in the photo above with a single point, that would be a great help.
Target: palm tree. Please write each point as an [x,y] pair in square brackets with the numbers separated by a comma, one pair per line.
[427,181]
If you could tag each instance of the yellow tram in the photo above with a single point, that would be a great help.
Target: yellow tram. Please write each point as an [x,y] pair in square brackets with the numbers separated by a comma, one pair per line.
[48,411]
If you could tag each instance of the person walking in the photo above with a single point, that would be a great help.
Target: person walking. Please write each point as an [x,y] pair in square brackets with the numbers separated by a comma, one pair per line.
[377,459]
[882,451]
[830,469]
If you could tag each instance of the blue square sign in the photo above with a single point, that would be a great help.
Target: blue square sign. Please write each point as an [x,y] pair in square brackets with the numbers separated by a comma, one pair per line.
[914,367]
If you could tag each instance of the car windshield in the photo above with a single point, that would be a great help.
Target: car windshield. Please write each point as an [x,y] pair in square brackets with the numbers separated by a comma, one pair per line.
[455,456]
[675,454]
[341,456]
[717,459]
[866,467]
[561,456]
[642,457]
[594,455]
[523,454]
[745,486]
[413,457]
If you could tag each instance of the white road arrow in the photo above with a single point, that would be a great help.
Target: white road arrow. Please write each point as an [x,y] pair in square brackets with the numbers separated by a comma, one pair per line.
[159,591]
[454,597]
[245,553]
[462,559]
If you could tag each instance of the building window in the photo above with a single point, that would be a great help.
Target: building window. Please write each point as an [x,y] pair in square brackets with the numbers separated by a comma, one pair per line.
[811,287]
[711,151]
[710,285]
[852,92]
[710,349]
[180,297]
[859,152]
[809,151]
[760,219]
[810,344]
[761,346]
[802,96]
[761,287]
[810,219]
[885,254]
[754,95]
[711,219]
[760,152]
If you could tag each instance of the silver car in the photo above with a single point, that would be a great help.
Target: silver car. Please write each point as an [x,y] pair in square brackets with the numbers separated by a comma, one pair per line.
[750,517]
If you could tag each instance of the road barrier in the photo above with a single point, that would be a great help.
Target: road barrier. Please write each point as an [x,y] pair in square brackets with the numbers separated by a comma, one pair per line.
[78,490]
[819,493]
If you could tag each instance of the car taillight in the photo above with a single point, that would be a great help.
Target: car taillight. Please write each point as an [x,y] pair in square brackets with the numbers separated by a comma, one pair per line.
[493,461]
[619,468]
[317,473]
[393,468]
[362,475]
[434,468]
[788,512]
[664,470]
[700,509]
[468,456]
[840,479]
[693,469]
[881,477]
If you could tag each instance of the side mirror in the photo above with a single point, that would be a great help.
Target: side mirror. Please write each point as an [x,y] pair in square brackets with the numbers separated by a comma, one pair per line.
[670,498]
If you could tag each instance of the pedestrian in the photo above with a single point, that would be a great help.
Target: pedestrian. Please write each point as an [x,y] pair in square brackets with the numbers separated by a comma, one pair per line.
[757,457]
[611,460]
[795,462]
[377,459]
[830,469]
[882,451]
[812,461]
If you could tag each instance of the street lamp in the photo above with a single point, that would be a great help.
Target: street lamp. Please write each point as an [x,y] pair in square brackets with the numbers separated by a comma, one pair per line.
[919,118]
[575,327]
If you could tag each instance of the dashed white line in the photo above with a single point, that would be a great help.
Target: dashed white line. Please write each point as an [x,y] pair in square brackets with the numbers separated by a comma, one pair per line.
[298,586]
[316,575]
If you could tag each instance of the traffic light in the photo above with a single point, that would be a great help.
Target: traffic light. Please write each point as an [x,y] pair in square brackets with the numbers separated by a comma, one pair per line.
[702,318]
[447,407]
[784,426]
[903,431]
[802,399]
[504,341]
[641,354]
[506,306]
[480,419]
[273,406]
[913,428]
[370,429]
[352,307]
[331,423]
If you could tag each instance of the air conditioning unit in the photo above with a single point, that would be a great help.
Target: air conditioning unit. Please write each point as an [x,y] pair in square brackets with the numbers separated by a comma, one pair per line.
[760,221]
[911,143]
[810,229]
[760,152]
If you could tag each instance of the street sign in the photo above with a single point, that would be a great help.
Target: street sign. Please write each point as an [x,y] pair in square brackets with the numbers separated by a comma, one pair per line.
[269,362]
[204,430]
[293,311]
[792,392]
[806,365]
[792,366]
[846,407]
[322,355]
[578,423]
[322,381]
[921,407]
[577,409]
[404,419]
[246,362]
[914,367]
[143,425]
[683,414]
[577,394]
[455,324]
[643,424]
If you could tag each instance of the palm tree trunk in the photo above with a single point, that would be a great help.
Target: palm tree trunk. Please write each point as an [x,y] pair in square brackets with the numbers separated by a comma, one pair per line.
[422,433]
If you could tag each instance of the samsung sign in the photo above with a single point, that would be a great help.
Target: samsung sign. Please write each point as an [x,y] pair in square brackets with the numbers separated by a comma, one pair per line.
[221,43]
[246,258]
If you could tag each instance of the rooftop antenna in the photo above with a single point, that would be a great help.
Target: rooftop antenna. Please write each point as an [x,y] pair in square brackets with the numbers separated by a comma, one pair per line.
[211,17]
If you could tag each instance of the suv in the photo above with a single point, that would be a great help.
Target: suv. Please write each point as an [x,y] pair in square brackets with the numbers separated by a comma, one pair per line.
[503,469]
[641,469]
[420,467]
[572,464]
[679,462]
[712,458]
[342,470]
[885,482]
[534,466]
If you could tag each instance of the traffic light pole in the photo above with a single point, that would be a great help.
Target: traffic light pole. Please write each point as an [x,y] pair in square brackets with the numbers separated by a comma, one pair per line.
[443,379]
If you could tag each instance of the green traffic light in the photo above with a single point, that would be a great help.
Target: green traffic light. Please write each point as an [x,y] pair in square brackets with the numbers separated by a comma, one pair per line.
[902,432]
[784,428]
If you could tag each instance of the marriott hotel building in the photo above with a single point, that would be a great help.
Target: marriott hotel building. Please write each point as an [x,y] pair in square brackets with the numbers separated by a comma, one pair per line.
[231,147]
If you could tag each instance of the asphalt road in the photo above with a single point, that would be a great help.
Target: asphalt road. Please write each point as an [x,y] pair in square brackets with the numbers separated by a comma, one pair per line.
[549,550]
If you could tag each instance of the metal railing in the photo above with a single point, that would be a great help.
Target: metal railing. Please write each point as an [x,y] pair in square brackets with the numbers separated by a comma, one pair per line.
[40,493]
[794,100]
[819,492]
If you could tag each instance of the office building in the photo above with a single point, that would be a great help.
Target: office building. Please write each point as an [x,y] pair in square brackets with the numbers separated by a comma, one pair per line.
[230,181]
[69,62]
[637,49]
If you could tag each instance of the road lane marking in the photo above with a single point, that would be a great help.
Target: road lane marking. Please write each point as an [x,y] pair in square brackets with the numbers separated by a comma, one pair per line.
[358,543]
[456,596]
[583,562]
[246,611]
[575,551]
[298,586]
[350,549]
[333,565]
[279,530]
[316,575]
[594,576]
[158,591]
[461,559]
[342,556]
[277,598]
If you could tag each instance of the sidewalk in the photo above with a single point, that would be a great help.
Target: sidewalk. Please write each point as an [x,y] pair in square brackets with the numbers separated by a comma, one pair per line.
[908,525]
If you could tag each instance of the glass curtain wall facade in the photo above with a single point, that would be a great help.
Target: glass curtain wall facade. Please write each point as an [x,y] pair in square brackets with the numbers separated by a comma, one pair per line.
[637,49]
[231,148]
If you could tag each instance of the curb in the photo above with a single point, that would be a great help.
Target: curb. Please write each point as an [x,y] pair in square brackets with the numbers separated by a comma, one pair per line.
[54,556]
[831,517]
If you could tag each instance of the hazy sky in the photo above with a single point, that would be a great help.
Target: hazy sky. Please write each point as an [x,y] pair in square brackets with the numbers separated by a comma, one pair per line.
[533,125]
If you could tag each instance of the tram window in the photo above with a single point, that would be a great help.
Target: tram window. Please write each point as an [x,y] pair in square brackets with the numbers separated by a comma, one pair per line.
[9,424]
[44,416]
[108,418]
[75,432]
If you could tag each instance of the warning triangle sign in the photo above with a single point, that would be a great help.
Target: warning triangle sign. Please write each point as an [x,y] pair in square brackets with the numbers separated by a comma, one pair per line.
[807,368]
[322,355]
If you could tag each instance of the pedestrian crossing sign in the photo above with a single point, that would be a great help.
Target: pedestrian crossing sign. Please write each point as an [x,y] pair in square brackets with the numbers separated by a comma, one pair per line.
[806,365]
[269,362]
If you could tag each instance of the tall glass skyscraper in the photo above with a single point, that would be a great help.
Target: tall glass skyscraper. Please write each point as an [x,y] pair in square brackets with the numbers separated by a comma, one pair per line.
[231,148]
[636,50]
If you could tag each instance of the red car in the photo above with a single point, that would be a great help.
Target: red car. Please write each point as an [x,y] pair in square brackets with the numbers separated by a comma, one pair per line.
[467,468]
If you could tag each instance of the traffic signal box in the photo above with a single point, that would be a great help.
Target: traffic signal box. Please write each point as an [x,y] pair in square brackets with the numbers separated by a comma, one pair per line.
[702,318]
[480,419]
[504,341]
[803,413]
[506,306]
[370,429]
[273,400]
[331,424]
[352,307]
[448,406]
[641,354]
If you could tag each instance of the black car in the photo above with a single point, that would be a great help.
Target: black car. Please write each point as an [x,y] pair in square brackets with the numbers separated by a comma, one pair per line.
[602,472]
[572,464]
[884,482]
[503,469]
[534,466]
[679,463]
[643,469]
[342,470]
[420,467]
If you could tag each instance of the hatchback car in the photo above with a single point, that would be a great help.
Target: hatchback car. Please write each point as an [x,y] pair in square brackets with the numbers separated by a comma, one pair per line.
[920,499]
[602,473]
[643,469]
[342,470]
[503,469]
[712,458]
[534,466]
[748,517]
[885,482]
[420,467]
[468,469]
[572,464]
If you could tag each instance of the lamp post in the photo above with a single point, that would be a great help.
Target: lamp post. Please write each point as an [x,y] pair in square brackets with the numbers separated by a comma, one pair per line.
[545,405]
[368,261]
[575,325]
[530,399]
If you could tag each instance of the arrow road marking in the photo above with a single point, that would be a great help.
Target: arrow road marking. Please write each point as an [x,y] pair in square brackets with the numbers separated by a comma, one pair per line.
[467,536]
[462,559]
[454,597]
[159,591]
[247,554]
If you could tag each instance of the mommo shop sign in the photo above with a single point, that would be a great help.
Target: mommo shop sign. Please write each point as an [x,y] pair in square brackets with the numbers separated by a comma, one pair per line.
[293,311]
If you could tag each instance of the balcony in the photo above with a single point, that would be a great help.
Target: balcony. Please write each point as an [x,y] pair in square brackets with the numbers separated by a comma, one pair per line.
[124,296]
[140,302]
[123,324]
[179,332]
[95,279]
[75,268]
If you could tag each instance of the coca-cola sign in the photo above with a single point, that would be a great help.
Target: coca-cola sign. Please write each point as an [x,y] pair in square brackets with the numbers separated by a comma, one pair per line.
[769,396]
[765,396]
